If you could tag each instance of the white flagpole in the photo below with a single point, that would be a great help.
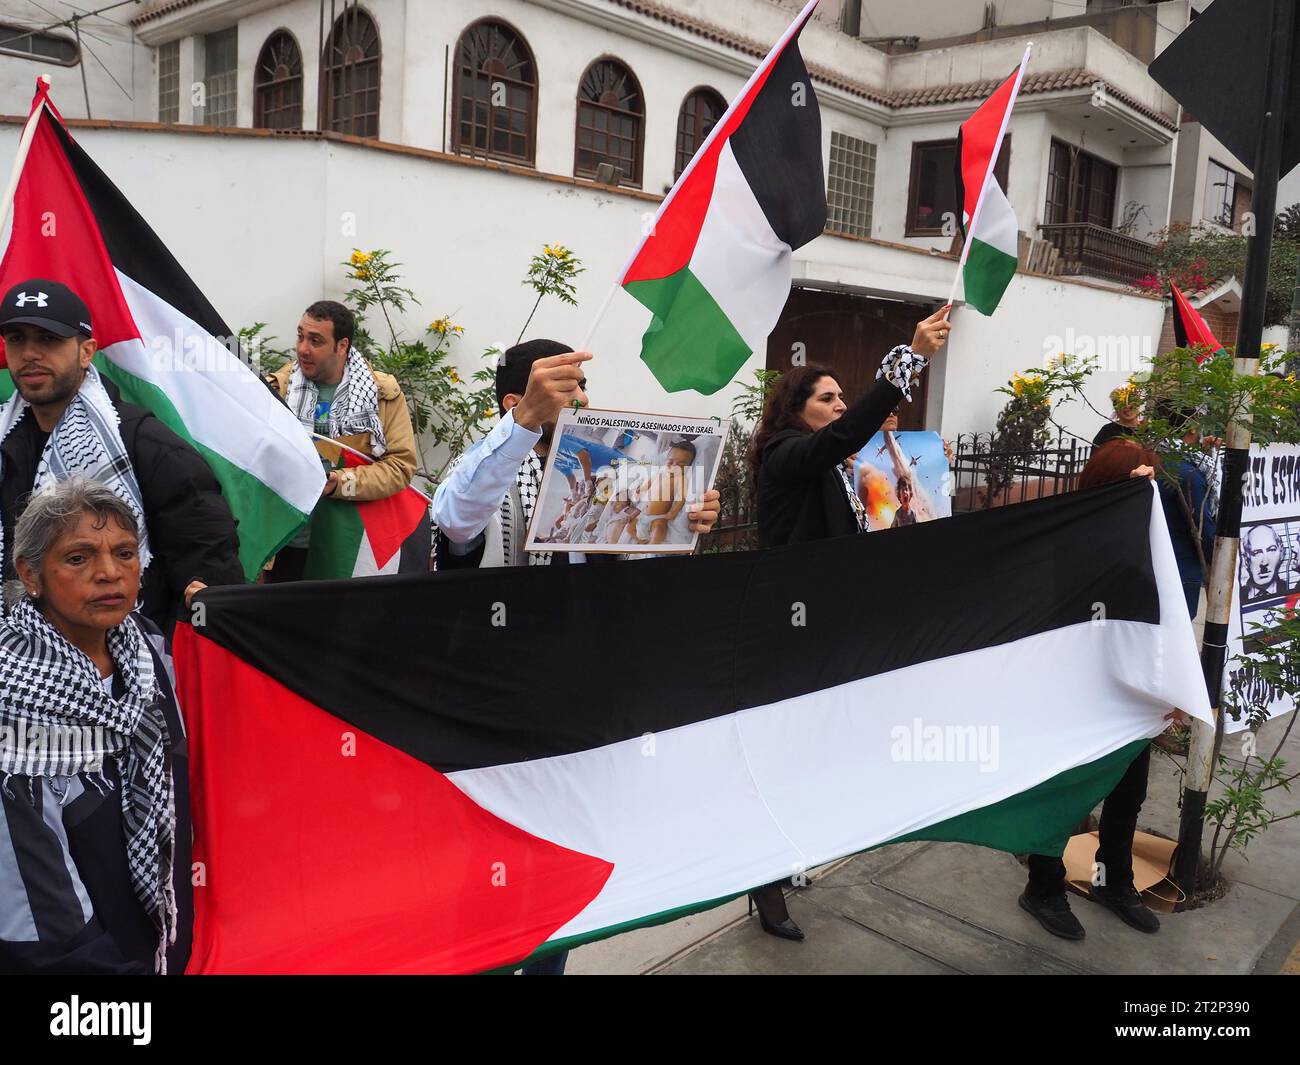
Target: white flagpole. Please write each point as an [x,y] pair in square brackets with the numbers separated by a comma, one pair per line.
[20,160]
[993,160]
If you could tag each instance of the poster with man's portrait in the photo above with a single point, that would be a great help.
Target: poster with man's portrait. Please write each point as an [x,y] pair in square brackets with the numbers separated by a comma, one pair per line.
[1268,573]
[903,479]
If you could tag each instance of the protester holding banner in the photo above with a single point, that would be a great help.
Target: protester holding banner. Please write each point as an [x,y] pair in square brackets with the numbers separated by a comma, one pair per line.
[804,491]
[1044,896]
[93,804]
[66,419]
[334,392]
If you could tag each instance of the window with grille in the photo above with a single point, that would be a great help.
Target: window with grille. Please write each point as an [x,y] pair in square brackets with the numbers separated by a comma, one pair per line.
[220,62]
[34,44]
[932,188]
[351,73]
[699,114]
[169,82]
[496,94]
[1080,187]
[611,121]
[1227,194]
[850,185]
[277,84]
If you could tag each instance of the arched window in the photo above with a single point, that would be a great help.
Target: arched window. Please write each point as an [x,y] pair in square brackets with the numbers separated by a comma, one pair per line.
[351,73]
[699,114]
[277,84]
[496,94]
[611,121]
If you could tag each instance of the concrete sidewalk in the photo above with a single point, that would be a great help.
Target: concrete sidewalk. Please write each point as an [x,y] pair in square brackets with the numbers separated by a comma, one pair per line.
[951,908]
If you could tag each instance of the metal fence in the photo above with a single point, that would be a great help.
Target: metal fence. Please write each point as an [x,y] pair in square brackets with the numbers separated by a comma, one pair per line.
[985,476]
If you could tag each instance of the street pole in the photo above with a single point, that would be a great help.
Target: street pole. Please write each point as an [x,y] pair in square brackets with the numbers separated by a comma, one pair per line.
[1205,739]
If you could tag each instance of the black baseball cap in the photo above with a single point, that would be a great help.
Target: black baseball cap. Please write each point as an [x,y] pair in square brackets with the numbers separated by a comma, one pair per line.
[48,304]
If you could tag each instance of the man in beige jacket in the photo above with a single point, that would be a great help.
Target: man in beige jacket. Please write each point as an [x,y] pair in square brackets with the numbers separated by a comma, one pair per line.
[334,392]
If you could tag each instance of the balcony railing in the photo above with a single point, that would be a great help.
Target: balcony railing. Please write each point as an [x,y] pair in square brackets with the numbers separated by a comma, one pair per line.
[1096,251]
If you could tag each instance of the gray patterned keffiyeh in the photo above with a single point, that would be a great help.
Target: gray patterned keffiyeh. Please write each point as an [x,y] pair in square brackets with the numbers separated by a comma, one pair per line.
[56,719]
[87,442]
[355,408]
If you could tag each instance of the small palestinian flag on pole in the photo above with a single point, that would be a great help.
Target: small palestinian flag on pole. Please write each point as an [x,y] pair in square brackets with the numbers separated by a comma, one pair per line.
[1190,329]
[991,248]
[368,538]
[568,793]
[714,270]
[160,341]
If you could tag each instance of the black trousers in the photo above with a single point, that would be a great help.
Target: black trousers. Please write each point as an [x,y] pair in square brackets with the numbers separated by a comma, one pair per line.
[1119,814]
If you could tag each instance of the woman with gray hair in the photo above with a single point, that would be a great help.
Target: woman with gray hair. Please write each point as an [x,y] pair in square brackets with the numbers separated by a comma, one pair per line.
[90,748]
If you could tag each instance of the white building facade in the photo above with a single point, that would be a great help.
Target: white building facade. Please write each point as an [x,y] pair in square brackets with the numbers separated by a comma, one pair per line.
[266,139]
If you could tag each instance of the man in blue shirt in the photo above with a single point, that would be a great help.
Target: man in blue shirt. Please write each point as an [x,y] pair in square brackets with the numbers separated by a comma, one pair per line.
[483,507]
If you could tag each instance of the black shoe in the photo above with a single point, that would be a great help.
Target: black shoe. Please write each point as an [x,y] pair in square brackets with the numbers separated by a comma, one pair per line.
[1054,914]
[1128,906]
[783,929]
[786,929]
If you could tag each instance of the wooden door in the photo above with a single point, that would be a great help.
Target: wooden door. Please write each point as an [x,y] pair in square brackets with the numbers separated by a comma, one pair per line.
[849,335]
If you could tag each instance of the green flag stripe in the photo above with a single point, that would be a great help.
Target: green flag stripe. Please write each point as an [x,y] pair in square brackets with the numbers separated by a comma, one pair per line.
[336,534]
[1037,821]
[691,342]
[266,521]
[987,274]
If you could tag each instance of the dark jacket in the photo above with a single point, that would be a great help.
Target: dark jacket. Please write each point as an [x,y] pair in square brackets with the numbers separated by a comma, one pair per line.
[800,492]
[191,530]
[1193,485]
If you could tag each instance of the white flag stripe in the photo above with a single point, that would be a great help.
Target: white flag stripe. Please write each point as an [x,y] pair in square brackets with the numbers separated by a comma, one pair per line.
[223,404]
[739,259]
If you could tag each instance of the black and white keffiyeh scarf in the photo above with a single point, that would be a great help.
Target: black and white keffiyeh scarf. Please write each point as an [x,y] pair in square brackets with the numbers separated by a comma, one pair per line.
[529,483]
[355,408]
[902,368]
[86,442]
[56,719]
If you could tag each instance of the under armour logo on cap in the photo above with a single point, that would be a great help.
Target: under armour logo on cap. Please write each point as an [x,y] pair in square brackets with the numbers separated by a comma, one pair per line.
[47,305]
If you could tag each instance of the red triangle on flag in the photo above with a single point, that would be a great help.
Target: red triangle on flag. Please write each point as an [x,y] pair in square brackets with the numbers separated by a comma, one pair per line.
[1190,330]
[326,850]
[55,235]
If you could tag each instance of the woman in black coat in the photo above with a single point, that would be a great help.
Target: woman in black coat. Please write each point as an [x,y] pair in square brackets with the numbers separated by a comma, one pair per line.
[805,493]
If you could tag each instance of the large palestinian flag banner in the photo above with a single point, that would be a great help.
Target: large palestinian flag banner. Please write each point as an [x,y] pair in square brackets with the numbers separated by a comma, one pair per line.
[991,249]
[715,268]
[368,538]
[160,340]
[510,762]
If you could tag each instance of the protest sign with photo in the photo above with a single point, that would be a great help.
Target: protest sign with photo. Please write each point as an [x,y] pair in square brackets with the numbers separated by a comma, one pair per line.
[623,482]
[902,479]
[1268,573]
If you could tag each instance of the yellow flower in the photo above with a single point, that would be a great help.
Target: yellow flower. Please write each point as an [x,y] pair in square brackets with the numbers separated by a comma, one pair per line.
[557,251]
[1290,378]
[359,257]
[443,327]
[455,377]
